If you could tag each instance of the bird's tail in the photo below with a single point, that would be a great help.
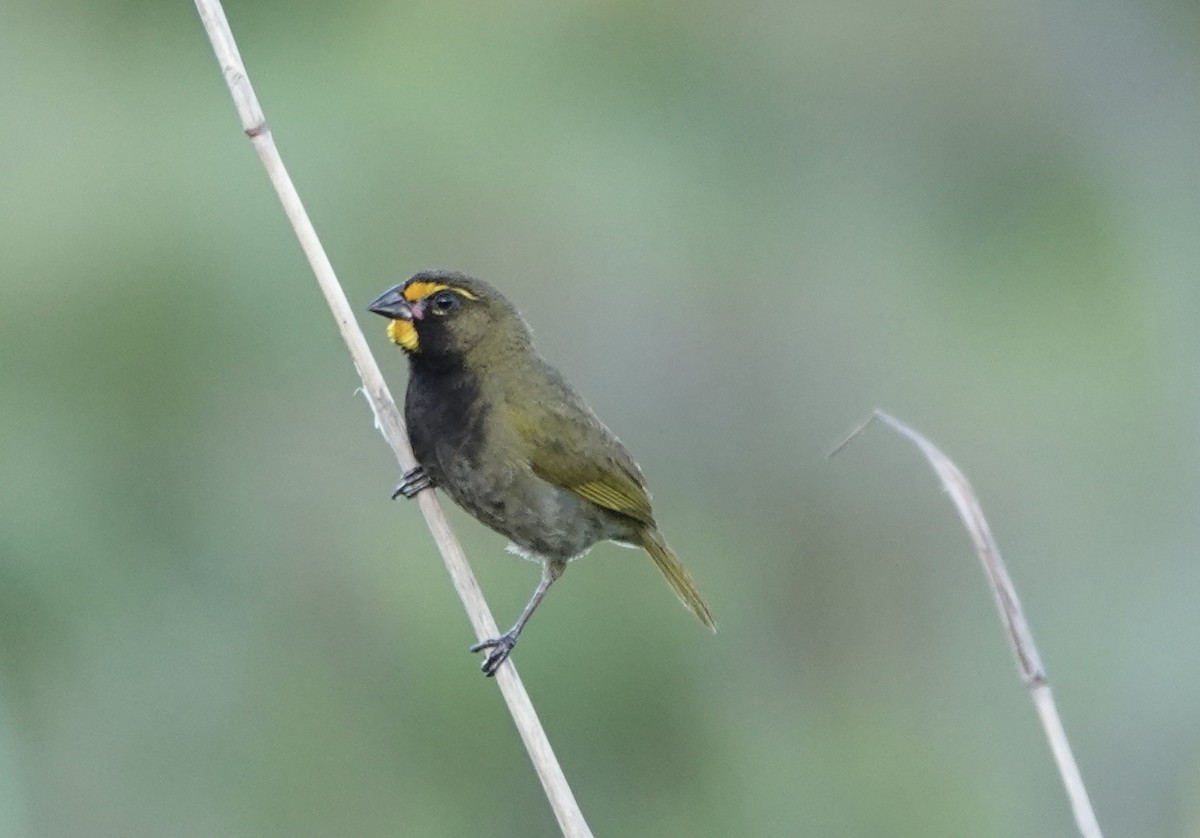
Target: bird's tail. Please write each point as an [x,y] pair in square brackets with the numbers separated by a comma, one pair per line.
[677,576]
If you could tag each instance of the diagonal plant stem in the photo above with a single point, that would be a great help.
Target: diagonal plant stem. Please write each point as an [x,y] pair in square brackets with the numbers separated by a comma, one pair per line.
[1029,663]
[387,418]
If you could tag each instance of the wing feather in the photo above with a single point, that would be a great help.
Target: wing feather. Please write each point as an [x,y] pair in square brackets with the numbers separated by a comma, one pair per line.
[568,446]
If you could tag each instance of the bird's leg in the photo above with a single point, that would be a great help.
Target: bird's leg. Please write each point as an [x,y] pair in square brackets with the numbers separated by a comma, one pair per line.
[502,646]
[412,481]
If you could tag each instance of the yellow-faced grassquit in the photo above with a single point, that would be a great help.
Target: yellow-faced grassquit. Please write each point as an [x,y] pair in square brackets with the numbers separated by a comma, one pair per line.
[505,435]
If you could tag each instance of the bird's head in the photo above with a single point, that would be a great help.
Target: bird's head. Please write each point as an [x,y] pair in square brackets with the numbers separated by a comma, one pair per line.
[440,316]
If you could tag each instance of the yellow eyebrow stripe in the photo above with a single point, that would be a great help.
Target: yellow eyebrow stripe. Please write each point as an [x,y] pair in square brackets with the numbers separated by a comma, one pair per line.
[420,290]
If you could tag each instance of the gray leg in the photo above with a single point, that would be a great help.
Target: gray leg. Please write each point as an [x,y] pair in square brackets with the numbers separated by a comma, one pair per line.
[411,482]
[502,646]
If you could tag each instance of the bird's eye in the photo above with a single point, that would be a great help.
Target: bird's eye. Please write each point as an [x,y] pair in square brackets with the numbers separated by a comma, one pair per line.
[444,302]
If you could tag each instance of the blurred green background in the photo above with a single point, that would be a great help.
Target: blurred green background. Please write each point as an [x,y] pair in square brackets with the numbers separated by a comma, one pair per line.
[738,228]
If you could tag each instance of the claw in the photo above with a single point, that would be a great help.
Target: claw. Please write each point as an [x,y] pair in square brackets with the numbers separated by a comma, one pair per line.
[501,647]
[411,482]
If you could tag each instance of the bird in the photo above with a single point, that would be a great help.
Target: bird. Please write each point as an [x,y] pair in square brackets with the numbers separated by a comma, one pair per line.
[504,434]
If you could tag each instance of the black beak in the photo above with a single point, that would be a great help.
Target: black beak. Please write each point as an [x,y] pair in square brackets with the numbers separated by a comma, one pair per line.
[391,304]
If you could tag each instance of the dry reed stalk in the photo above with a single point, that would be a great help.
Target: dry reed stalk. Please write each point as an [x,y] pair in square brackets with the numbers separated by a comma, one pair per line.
[387,418]
[1029,663]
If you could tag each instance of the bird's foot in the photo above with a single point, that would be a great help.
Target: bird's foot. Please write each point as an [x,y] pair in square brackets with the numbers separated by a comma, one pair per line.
[412,481]
[501,647]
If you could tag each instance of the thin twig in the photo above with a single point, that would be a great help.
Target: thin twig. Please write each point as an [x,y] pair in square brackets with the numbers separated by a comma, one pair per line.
[1029,663]
[387,418]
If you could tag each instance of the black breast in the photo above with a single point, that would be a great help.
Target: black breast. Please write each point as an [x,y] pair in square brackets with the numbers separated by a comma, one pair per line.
[445,418]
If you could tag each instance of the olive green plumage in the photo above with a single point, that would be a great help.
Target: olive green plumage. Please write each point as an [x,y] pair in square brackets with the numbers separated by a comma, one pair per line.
[505,435]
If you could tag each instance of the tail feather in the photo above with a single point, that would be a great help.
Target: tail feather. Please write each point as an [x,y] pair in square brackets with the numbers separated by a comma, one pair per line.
[677,576]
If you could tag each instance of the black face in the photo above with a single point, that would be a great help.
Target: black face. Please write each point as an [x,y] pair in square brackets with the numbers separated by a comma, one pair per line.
[440,317]
[449,321]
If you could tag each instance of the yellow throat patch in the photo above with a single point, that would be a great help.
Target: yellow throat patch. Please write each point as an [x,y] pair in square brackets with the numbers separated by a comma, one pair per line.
[402,332]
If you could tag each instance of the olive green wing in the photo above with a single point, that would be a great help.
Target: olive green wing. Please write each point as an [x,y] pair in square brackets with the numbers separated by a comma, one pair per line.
[565,444]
